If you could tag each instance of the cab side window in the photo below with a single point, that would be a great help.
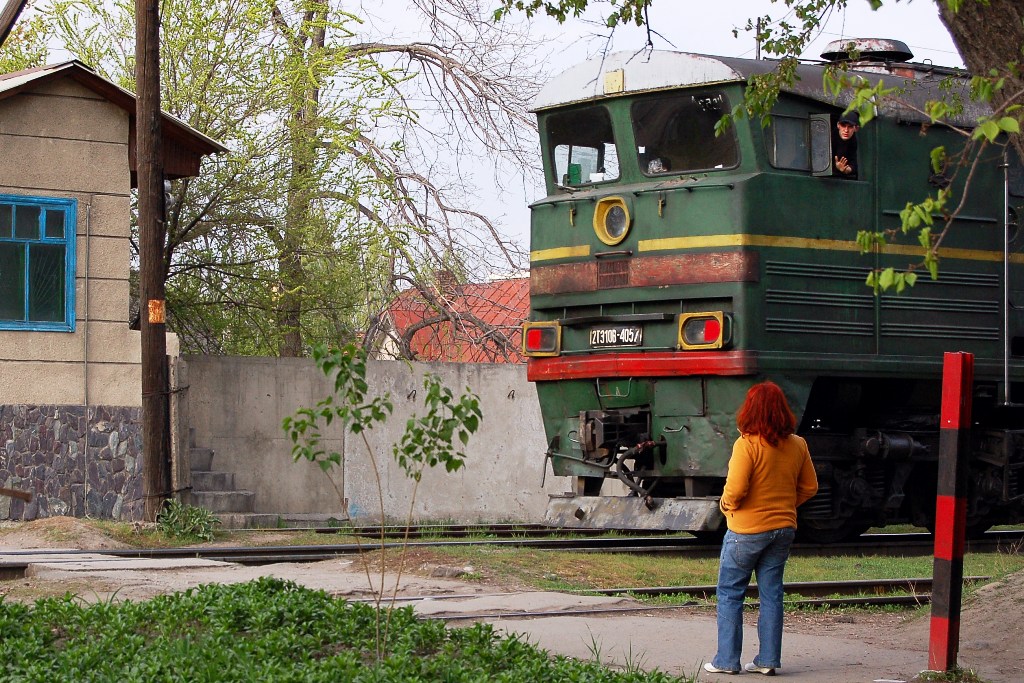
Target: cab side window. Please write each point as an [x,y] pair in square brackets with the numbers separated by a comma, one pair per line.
[583,147]
[1015,174]
[788,140]
[810,144]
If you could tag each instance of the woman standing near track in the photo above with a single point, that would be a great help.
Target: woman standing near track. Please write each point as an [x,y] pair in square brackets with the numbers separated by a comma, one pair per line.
[770,475]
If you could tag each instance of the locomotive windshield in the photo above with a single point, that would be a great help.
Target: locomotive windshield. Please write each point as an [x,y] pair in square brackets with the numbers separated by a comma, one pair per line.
[583,146]
[676,134]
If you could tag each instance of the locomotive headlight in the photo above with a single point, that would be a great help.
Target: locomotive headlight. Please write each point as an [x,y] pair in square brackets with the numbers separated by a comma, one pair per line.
[611,220]
[712,330]
[542,339]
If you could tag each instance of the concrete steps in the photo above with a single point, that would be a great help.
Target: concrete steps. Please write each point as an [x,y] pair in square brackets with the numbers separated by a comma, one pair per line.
[215,490]
[224,501]
[248,520]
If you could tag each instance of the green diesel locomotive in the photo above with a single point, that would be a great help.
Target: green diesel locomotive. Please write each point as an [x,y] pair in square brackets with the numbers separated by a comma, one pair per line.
[671,268]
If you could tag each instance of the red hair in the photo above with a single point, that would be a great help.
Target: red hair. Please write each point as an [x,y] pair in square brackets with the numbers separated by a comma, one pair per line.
[766,414]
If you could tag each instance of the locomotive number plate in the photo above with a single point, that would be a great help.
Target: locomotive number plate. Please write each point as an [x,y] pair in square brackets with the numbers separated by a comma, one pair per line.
[616,335]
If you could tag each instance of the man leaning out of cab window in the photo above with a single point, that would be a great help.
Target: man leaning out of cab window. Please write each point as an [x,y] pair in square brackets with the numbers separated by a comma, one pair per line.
[844,146]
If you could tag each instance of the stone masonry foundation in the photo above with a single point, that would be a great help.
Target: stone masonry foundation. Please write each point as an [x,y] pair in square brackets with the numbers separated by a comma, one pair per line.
[73,462]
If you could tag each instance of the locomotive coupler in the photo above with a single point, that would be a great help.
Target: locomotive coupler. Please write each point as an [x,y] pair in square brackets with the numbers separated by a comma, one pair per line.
[625,475]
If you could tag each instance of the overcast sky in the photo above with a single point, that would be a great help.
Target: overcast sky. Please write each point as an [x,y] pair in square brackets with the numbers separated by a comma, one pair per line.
[915,23]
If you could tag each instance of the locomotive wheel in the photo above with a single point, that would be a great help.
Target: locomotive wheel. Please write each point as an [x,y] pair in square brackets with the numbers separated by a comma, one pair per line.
[826,531]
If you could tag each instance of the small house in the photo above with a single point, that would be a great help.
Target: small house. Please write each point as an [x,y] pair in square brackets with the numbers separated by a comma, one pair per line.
[70,367]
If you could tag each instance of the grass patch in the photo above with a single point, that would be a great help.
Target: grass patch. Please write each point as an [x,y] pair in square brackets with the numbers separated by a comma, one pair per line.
[267,630]
[551,570]
[562,570]
[957,675]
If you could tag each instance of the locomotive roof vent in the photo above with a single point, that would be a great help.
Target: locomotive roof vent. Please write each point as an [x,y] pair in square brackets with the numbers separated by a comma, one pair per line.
[868,50]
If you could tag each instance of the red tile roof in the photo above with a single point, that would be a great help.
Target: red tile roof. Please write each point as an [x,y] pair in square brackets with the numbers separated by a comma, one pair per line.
[480,323]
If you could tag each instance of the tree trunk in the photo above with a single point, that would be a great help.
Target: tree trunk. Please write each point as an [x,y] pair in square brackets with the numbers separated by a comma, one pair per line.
[304,142]
[989,35]
[291,245]
[289,308]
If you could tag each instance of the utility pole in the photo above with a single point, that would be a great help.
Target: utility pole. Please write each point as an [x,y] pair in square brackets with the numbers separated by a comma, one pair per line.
[8,16]
[149,167]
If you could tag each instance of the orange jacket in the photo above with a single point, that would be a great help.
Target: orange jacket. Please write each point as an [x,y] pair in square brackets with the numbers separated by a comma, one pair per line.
[766,484]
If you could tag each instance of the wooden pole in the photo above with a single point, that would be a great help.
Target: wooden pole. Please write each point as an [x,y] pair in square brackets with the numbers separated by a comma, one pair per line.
[149,171]
[8,16]
[951,510]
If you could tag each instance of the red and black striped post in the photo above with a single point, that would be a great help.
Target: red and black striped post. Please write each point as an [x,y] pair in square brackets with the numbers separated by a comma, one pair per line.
[951,510]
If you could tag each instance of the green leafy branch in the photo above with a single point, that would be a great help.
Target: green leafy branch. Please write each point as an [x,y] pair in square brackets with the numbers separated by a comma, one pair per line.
[920,217]
[788,41]
[427,441]
[867,98]
[348,405]
[622,11]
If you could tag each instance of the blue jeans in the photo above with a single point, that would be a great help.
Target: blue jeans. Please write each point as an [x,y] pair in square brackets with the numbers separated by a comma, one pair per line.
[742,554]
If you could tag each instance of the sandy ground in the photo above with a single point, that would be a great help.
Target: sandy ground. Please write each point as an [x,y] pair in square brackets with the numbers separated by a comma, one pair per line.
[818,647]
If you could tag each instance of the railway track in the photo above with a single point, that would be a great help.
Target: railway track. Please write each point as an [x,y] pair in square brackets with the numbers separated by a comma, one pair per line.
[870,544]
[456,531]
[911,592]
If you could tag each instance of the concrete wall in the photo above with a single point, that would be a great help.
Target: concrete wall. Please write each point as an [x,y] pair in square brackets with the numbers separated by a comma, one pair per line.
[236,406]
[64,140]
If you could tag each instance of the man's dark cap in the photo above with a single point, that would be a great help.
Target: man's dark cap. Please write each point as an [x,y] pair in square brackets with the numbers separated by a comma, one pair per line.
[850,117]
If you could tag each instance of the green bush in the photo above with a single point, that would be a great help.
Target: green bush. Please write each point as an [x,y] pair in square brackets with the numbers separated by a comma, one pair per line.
[265,630]
[186,522]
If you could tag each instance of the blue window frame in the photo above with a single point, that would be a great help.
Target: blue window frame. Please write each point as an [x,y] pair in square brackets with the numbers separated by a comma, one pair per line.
[37,263]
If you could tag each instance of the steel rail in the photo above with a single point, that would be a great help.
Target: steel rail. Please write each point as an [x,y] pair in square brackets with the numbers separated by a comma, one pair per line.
[474,530]
[673,538]
[876,544]
[306,553]
[833,603]
[823,591]
[803,588]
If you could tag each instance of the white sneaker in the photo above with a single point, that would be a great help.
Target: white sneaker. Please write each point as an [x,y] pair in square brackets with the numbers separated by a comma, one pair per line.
[712,669]
[755,669]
